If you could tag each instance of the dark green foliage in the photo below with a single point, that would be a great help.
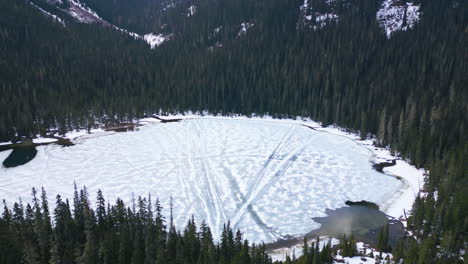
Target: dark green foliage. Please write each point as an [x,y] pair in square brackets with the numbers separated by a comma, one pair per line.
[348,247]
[313,254]
[383,239]
[124,235]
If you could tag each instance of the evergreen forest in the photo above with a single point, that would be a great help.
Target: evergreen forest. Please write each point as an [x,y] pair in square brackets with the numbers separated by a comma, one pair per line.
[77,233]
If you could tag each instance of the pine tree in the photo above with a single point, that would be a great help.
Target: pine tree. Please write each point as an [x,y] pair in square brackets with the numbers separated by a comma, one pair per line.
[100,209]
[383,238]
[207,248]
[90,249]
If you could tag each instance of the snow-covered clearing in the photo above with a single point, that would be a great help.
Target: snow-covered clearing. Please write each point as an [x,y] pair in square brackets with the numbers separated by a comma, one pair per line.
[268,177]
[369,255]
[297,250]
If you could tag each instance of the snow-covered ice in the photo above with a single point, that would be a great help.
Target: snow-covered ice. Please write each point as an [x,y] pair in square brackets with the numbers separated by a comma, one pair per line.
[412,178]
[269,178]
[404,198]
[41,140]
[4,154]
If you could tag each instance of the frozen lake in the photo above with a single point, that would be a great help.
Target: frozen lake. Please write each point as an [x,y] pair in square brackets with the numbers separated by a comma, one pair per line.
[268,178]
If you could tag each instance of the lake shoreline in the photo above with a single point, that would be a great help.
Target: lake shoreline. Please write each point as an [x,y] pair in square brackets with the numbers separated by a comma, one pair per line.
[308,123]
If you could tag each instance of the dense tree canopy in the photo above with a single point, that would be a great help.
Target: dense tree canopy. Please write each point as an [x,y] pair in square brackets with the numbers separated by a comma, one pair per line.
[113,234]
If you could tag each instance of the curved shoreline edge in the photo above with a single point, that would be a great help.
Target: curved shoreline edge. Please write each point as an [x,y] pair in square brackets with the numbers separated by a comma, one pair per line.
[397,205]
[400,202]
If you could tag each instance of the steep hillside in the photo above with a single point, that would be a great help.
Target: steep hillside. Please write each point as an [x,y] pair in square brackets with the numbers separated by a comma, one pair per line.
[213,22]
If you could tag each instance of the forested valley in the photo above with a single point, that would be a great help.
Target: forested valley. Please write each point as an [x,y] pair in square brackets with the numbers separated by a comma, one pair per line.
[410,91]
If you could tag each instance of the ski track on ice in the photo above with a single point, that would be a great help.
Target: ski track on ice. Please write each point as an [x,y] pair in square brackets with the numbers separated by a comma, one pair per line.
[219,214]
[233,184]
[183,163]
[277,171]
[247,205]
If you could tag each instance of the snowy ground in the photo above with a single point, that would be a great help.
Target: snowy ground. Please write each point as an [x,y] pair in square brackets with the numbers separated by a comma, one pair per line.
[371,256]
[412,178]
[395,15]
[368,254]
[268,177]
[297,250]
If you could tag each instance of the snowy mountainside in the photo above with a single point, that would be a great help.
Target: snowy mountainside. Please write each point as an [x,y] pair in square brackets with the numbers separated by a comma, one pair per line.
[46,13]
[397,15]
[156,40]
[162,20]
[392,15]
[81,13]
[317,14]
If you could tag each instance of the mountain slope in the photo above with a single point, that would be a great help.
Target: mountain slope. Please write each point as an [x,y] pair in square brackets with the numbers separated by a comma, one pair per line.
[158,21]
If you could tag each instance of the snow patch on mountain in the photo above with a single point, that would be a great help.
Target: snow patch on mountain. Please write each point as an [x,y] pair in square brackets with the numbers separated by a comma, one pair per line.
[191,11]
[84,14]
[78,15]
[156,40]
[167,4]
[54,17]
[323,19]
[394,16]
[131,34]
[84,7]
[244,27]
[80,12]
[316,18]
[305,6]
[217,30]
